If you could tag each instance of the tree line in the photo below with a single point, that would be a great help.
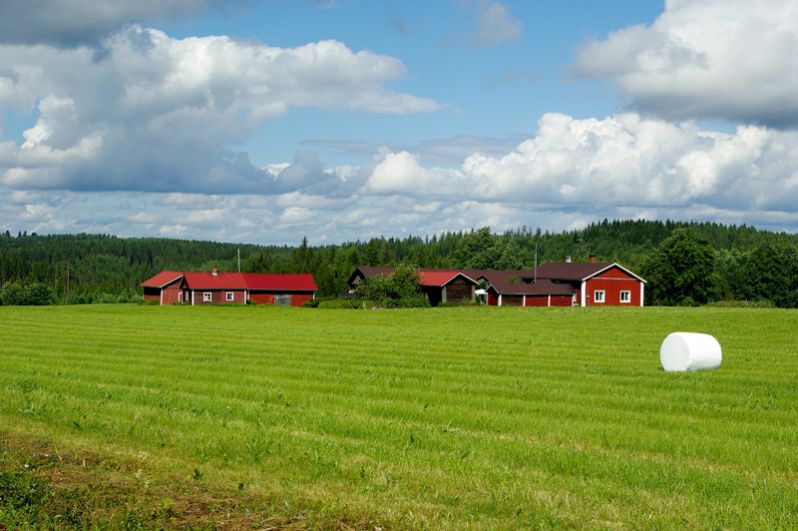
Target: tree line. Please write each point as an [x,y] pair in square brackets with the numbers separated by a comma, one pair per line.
[684,262]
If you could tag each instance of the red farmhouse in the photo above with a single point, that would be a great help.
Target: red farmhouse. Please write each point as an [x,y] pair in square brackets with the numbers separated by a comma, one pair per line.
[596,284]
[169,287]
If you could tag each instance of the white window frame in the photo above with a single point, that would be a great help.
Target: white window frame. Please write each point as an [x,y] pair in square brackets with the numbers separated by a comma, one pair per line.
[628,298]
[230,296]
[207,296]
[602,298]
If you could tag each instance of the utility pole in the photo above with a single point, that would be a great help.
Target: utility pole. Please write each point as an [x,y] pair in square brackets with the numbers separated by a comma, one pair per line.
[536,264]
[238,252]
[66,293]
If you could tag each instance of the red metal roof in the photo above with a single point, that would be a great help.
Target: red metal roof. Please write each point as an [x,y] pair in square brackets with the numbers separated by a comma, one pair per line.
[439,278]
[273,282]
[235,281]
[218,281]
[162,279]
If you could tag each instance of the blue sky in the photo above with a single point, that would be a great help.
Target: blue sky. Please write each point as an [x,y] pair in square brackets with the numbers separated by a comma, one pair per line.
[495,91]
[345,119]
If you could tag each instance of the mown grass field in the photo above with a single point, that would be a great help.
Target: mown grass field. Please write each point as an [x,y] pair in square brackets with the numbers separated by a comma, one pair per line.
[443,418]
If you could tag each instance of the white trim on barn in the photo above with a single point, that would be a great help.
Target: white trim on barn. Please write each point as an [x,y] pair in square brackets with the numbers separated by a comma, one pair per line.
[614,264]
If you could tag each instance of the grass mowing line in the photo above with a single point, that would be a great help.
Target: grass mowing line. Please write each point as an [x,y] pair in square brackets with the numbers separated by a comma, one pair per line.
[406,419]
[561,406]
[406,381]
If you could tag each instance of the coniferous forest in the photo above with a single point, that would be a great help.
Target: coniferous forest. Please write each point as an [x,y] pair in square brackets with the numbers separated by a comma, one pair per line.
[684,263]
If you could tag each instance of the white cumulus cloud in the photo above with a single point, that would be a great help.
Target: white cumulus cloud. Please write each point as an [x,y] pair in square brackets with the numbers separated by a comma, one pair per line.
[620,161]
[153,113]
[728,59]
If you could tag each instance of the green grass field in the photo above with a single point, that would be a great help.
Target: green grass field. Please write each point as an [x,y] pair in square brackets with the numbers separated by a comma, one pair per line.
[444,418]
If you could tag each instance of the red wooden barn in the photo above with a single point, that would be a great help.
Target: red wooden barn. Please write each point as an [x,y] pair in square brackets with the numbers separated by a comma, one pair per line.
[170,287]
[596,284]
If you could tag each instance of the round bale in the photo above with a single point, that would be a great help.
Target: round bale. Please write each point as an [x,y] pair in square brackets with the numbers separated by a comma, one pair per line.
[688,351]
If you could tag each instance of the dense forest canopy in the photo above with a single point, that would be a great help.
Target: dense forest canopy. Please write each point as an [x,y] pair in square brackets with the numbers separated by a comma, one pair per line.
[745,263]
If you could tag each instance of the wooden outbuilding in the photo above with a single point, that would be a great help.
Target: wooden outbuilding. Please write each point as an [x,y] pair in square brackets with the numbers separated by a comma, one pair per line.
[165,287]
[506,290]
[438,285]
[452,287]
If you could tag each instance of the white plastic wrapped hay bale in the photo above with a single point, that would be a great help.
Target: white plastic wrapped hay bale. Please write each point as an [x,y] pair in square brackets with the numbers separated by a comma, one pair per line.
[688,351]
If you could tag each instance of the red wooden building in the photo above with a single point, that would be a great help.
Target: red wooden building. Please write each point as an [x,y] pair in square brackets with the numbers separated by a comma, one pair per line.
[504,289]
[438,285]
[596,284]
[451,287]
[169,287]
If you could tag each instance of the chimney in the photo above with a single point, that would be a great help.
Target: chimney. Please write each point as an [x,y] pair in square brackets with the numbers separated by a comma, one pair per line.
[592,259]
[567,259]
[214,271]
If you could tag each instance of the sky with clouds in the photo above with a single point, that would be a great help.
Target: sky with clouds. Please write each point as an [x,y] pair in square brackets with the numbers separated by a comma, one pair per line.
[266,121]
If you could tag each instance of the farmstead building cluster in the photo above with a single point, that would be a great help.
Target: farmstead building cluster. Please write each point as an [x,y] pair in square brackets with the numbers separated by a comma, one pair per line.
[552,284]
[171,287]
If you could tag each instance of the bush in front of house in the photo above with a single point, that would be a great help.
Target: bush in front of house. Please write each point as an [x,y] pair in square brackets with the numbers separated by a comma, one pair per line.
[386,290]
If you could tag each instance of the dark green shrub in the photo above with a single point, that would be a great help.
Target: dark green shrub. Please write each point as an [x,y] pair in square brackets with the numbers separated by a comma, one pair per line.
[688,301]
[105,298]
[382,289]
[36,294]
[128,298]
[12,294]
